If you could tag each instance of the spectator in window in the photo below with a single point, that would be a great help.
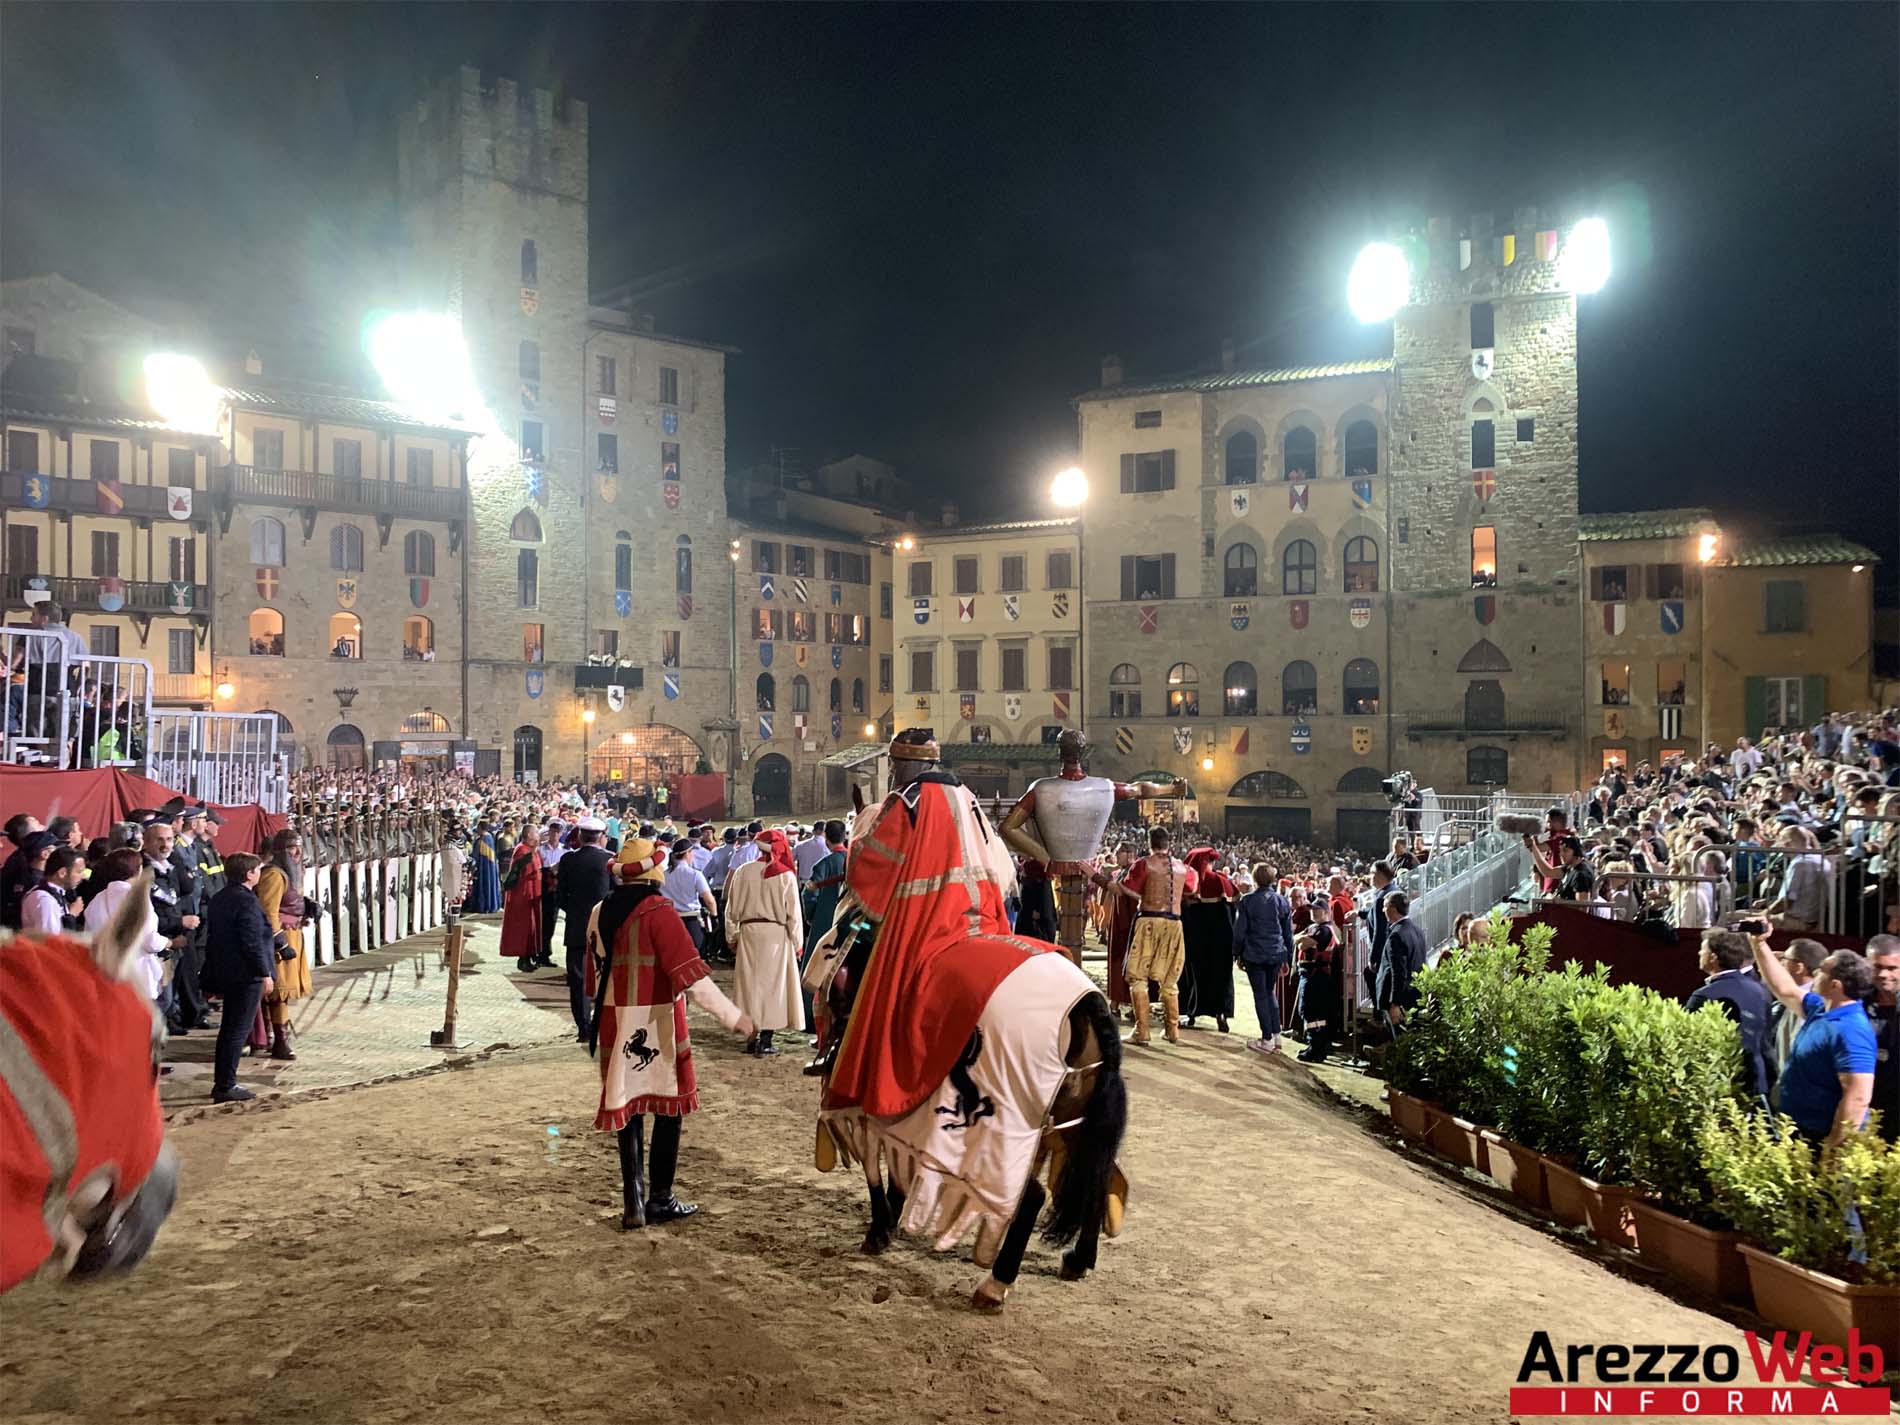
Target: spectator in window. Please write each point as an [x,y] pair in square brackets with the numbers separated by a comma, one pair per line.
[1827,1082]
[1725,957]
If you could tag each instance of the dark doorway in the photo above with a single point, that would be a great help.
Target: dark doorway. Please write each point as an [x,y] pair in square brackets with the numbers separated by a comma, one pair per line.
[771,786]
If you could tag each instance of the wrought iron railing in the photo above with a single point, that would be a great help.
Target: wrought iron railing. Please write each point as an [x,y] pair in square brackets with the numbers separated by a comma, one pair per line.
[356,494]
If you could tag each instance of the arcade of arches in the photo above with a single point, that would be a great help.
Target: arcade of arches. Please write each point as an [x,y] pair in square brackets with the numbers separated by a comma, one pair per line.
[639,758]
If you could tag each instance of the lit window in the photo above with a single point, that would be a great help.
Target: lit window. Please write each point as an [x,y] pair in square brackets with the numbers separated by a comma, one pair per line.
[1484,557]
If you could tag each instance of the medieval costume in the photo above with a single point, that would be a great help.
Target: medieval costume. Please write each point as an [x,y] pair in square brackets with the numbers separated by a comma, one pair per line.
[1207,926]
[483,896]
[1037,918]
[954,1047]
[1156,950]
[766,931]
[279,892]
[641,966]
[522,907]
[1317,1004]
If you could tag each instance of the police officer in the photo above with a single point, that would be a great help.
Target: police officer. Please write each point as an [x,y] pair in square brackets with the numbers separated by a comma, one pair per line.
[206,864]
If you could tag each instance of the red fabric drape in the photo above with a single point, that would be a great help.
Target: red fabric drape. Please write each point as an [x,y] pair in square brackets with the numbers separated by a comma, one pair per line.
[101,796]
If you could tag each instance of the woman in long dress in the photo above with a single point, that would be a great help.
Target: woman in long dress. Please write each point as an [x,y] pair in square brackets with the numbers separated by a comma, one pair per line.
[484,890]
[765,929]
[521,907]
[1207,925]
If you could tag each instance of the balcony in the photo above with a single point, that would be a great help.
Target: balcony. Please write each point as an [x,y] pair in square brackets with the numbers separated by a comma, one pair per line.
[299,489]
[181,687]
[142,596]
[81,497]
[1536,722]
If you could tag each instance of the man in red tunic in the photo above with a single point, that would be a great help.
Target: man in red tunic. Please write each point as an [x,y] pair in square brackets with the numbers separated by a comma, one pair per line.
[642,966]
[521,906]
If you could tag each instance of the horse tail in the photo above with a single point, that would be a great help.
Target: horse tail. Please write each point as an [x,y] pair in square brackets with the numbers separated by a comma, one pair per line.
[1082,1194]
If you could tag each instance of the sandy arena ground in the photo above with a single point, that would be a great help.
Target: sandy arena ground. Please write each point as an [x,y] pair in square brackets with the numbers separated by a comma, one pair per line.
[445,1249]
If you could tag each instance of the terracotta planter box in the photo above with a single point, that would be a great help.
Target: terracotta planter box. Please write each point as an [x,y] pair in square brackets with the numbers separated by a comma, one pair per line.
[1699,1257]
[1413,1117]
[1514,1167]
[1456,1141]
[1578,1201]
[1803,1300]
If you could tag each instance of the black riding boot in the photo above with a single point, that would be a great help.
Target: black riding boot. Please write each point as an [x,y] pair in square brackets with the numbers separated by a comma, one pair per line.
[766,1046]
[633,1178]
[662,1206]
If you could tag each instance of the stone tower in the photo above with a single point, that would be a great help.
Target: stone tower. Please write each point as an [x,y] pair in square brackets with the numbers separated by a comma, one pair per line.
[492,182]
[1484,512]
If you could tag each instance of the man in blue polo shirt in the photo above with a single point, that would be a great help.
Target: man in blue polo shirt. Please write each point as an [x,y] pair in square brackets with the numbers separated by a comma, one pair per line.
[1828,1081]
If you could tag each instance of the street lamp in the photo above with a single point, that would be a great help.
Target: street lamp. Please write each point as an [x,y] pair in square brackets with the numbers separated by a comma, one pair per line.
[870,729]
[1069,490]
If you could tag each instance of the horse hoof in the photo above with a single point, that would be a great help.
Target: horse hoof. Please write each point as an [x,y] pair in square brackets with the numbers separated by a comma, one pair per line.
[1072,1271]
[986,1298]
[874,1243]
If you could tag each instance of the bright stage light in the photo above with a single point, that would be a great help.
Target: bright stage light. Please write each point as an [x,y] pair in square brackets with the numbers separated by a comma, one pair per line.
[423,362]
[1380,282]
[1207,764]
[181,392]
[1585,264]
[1070,489]
[1705,548]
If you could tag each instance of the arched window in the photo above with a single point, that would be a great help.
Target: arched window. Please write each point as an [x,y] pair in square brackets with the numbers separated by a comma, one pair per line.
[526,528]
[1487,766]
[857,695]
[346,636]
[1362,448]
[267,542]
[528,578]
[346,548]
[1299,689]
[623,559]
[530,264]
[418,639]
[1268,787]
[1240,690]
[1484,704]
[1302,453]
[1124,691]
[530,361]
[1299,569]
[683,565]
[1484,557]
[1360,687]
[1184,690]
[1243,458]
[267,633]
[1362,782]
[346,747]
[768,693]
[801,694]
[837,695]
[1362,565]
[418,552]
[426,721]
[1241,572]
[527,753]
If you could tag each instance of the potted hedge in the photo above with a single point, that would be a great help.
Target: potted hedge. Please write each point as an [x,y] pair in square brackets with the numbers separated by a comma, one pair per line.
[1823,1229]
[1679,1068]
[1537,1121]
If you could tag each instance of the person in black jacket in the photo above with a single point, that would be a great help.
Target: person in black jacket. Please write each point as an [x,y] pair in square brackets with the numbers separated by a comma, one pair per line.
[1263,943]
[582,880]
[240,963]
[1405,954]
[1727,958]
[174,887]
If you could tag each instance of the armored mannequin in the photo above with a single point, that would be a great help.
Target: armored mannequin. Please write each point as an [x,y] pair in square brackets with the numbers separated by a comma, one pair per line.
[1060,820]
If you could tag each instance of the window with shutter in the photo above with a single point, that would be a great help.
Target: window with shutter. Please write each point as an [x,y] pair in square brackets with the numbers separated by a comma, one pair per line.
[1060,569]
[105,459]
[1484,445]
[181,466]
[1167,576]
[966,574]
[1062,667]
[920,580]
[1128,577]
[966,669]
[1786,606]
[1483,326]
[923,671]
[1013,577]
[1015,668]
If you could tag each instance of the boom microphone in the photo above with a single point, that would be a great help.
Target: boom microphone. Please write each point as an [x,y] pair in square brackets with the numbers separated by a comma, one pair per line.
[1515,824]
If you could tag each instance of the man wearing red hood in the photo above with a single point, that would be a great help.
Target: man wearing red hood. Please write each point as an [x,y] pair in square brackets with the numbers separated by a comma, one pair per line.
[1207,925]
[765,928]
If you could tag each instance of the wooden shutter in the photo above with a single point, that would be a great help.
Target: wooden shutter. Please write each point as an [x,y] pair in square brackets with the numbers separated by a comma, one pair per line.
[1167,561]
[1652,581]
[1128,572]
[1167,470]
[1813,698]
[1128,474]
[1754,705]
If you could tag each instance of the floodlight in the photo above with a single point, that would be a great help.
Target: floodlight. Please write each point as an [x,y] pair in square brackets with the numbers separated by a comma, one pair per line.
[423,362]
[1380,282]
[181,392]
[1070,489]
[1585,264]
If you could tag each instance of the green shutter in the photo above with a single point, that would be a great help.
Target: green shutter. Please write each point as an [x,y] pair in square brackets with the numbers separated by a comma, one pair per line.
[1813,698]
[1754,706]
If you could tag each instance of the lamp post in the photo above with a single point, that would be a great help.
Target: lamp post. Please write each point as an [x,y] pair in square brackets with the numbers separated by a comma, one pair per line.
[1069,490]
[587,731]
[1707,547]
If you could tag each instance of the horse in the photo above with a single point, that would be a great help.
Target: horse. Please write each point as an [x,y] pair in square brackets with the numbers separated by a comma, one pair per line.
[1077,1129]
[86,1176]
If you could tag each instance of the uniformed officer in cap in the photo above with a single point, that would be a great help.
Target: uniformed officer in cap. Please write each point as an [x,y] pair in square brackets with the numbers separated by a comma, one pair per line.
[200,854]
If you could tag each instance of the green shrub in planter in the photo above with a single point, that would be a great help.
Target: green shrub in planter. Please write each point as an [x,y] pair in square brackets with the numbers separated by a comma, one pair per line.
[1549,1095]
[1677,1069]
[1798,1204]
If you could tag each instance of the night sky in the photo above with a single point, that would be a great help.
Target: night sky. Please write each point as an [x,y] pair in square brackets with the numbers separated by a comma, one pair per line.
[924,226]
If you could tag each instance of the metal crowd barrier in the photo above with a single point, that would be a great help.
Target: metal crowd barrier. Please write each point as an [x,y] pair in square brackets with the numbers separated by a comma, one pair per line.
[229,758]
[69,711]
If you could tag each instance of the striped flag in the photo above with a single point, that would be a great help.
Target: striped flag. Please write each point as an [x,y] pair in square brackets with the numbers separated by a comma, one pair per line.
[1241,740]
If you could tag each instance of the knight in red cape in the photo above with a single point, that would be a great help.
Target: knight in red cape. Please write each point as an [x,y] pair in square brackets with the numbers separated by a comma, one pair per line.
[929,869]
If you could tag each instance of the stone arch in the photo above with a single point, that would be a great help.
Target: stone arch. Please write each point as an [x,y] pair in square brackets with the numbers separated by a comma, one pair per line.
[1479,391]
[1278,453]
[1266,786]
[1295,529]
[645,755]
[1351,417]
[771,785]
[1362,782]
[1241,425]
